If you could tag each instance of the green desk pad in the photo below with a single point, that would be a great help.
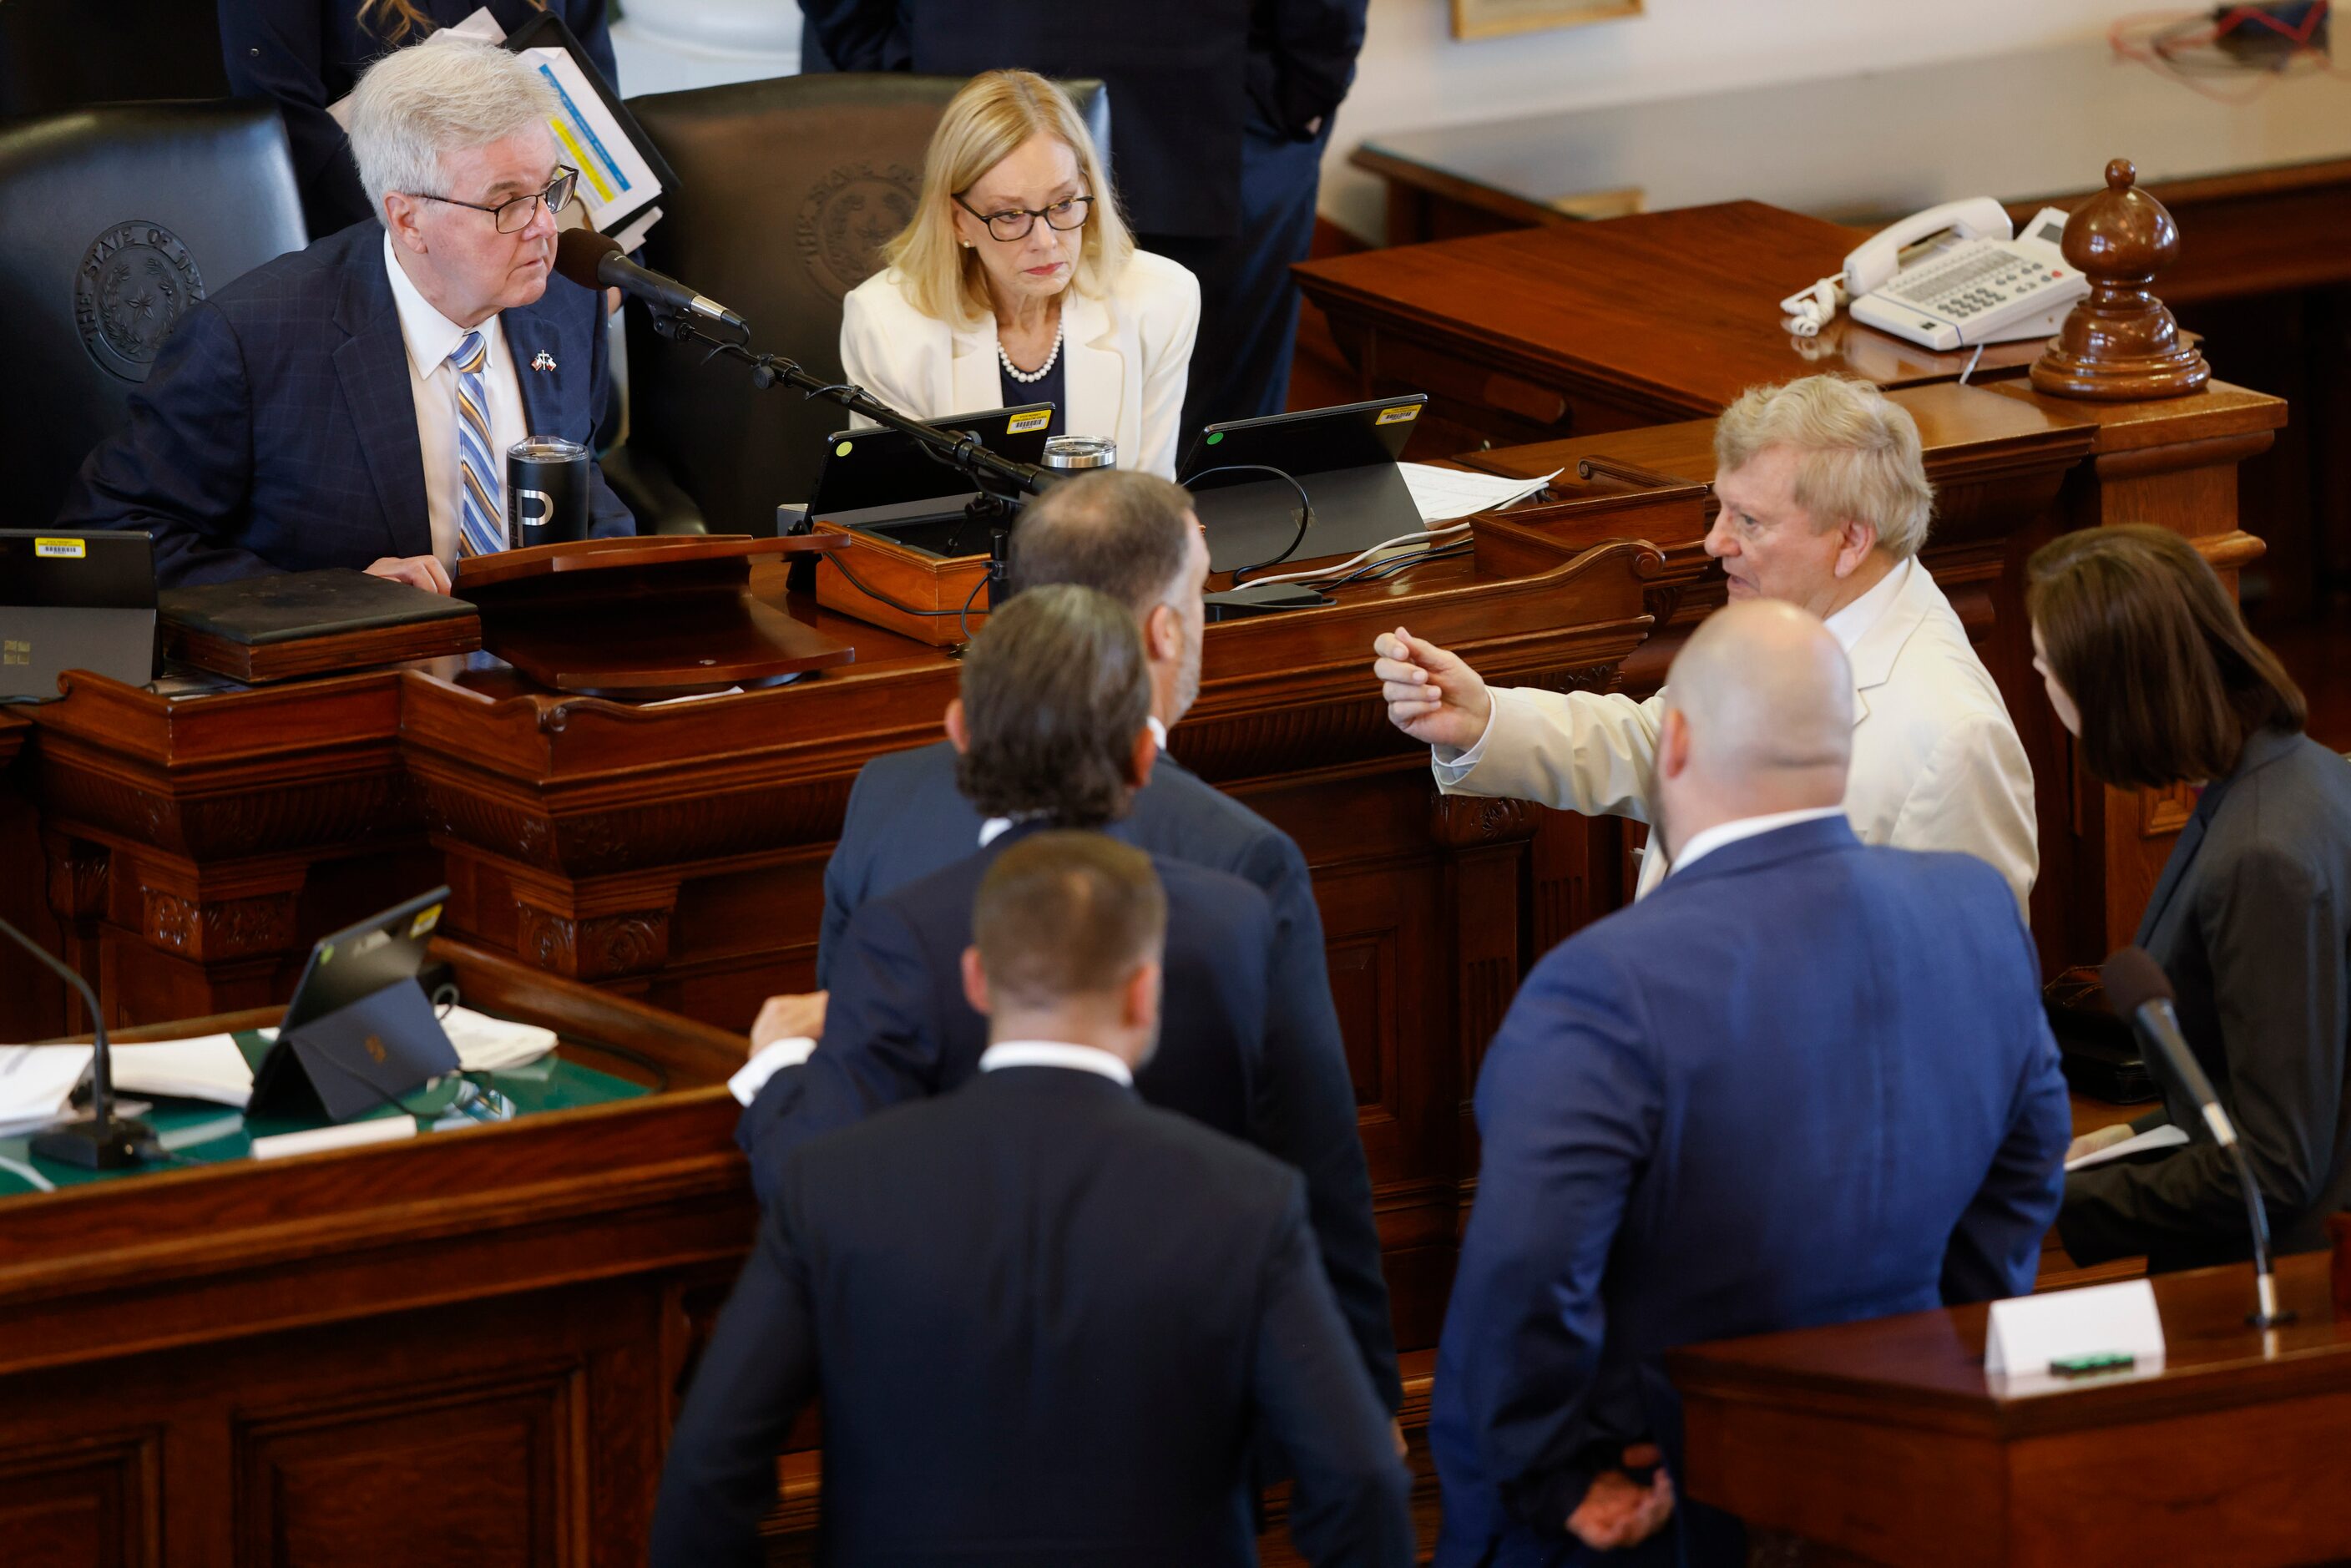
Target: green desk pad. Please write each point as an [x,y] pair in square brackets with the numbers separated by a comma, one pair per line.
[201,1133]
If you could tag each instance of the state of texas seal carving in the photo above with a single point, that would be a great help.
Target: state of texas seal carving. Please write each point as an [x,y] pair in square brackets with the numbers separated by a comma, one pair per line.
[132,286]
[845,219]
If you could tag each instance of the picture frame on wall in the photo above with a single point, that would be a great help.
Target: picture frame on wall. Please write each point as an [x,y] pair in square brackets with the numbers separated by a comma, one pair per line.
[1501,19]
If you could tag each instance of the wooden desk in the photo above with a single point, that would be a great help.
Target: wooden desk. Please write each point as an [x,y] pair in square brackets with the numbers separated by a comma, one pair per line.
[2258,187]
[2032,129]
[463,1348]
[1887,1441]
[197,845]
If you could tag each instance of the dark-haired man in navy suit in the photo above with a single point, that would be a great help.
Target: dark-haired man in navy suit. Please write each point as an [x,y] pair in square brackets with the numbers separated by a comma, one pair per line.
[1051,727]
[351,404]
[1134,538]
[1806,1081]
[1049,1323]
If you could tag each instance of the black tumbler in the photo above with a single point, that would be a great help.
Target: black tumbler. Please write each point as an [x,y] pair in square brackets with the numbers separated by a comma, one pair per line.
[547,492]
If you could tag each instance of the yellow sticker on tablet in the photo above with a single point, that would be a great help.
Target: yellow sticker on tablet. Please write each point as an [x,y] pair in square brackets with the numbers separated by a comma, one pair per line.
[1022,423]
[61,549]
[425,921]
[1398,415]
[842,450]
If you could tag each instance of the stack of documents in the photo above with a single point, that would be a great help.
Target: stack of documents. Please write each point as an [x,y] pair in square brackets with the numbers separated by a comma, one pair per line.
[209,1067]
[37,1084]
[1444,494]
[486,1044]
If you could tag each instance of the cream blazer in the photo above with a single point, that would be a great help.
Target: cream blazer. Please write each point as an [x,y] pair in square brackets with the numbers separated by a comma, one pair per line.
[1126,358]
[1937,764]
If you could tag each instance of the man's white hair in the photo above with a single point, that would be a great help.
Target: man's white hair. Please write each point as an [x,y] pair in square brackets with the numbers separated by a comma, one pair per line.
[1859,458]
[444,95]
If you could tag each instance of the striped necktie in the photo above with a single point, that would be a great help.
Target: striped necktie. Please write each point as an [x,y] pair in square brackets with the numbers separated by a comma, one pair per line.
[481,520]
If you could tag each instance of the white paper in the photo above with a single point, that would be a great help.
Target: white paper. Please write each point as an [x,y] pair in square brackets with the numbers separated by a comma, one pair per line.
[771,1060]
[480,25]
[349,1134]
[630,237]
[1443,494]
[2168,1136]
[486,1044]
[614,179]
[2027,1333]
[208,1066]
[36,1083]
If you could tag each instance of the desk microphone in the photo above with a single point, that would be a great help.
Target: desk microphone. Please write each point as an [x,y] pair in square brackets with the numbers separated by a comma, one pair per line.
[105,1142]
[2137,988]
[594,261]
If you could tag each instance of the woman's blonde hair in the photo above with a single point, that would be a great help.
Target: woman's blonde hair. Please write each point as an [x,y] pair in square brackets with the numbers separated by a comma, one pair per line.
[394,20]
[994,113]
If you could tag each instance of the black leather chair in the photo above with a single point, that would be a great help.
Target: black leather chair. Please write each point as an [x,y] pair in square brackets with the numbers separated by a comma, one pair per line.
[785,190]
[57,54]
[113,221]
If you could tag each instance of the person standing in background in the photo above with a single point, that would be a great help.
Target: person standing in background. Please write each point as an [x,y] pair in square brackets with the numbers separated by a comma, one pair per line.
[307,53]
[1220,111]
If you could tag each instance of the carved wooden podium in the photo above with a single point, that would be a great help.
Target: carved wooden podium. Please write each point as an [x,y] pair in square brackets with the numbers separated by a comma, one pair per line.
[644,617]
[1886,1442]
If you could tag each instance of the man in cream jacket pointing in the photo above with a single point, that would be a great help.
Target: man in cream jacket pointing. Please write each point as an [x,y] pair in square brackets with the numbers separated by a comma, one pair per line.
[1824,503]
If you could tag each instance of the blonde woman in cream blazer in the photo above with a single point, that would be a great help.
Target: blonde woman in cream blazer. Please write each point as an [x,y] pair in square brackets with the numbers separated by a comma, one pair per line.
[1017,280]
[1125,358]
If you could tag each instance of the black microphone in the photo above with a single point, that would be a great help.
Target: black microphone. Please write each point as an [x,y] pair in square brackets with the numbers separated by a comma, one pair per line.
[2138,989]
[105,1142]
[594,261]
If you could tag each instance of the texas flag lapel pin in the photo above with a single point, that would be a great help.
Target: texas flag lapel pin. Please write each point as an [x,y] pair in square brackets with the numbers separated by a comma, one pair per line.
[545,361]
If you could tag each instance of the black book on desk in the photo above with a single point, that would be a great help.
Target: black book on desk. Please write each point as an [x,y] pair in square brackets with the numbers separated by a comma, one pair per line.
[286,624]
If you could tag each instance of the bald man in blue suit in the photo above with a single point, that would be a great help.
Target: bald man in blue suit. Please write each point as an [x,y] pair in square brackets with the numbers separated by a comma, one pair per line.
[1806,1081]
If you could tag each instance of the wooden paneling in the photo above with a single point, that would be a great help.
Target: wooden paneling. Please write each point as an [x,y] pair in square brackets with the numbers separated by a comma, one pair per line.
[88,1503]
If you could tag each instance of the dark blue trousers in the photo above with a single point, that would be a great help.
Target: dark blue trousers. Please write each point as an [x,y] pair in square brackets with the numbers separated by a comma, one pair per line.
[1248,305]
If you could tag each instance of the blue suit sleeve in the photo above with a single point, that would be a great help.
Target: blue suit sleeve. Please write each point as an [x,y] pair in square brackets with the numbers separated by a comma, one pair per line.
[1305,1112]
[587,20]
[756,1373]
[276,49]
[1352,1500]
[182,467]
[881,1045]
[608,515]
[858,35]
[846,873]
[1995,1250]
[1568,1106]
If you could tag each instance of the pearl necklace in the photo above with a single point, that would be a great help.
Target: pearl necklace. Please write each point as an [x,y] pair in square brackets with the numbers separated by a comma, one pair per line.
[1027,378]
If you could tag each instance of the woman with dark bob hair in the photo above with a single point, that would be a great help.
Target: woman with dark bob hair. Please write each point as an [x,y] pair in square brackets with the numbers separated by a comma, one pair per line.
[2148,663]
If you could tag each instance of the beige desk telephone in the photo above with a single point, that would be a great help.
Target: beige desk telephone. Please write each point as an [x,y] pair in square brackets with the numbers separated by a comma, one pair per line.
[1950,277]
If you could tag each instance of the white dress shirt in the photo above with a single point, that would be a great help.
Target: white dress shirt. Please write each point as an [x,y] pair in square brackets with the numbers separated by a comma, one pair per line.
[1056,1053]
[431,338]
[1937,764]
[1708,840]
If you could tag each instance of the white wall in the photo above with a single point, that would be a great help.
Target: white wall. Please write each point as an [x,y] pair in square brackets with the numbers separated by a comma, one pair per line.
[1414,73]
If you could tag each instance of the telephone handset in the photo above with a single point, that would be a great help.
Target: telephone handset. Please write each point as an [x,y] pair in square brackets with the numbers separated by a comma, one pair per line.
[1951,277]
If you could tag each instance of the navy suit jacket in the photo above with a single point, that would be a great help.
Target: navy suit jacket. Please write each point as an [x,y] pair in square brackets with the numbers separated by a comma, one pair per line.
[1183,78]
[1804,1081]
[1049,1324]
[906,820]
[303,55]
[278,431]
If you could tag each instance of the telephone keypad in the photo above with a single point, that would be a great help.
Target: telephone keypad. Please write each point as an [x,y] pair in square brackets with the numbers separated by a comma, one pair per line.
[1973,283]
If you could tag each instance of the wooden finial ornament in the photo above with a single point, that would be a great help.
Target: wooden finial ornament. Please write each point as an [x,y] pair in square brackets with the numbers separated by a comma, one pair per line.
[2120,343]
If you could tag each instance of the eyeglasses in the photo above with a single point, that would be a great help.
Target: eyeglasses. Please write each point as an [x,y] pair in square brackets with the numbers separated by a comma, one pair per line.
[1015,221]
[513,217]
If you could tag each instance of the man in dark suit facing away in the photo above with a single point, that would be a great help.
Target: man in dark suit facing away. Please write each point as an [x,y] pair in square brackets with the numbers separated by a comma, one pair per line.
[1134,538]
[1051,729]
[351,404]
[1047,1320]
[1805,1081]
